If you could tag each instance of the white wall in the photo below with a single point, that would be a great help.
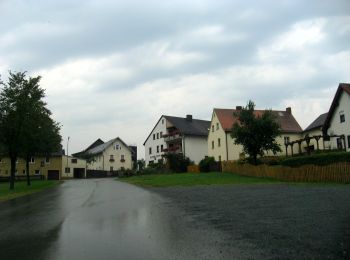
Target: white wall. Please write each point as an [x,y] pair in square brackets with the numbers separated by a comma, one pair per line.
[153,143]
[338,128]
[102,161]
[67,162]
[195,147]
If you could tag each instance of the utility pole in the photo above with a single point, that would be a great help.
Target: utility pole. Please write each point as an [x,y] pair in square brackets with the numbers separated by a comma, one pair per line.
[67,156]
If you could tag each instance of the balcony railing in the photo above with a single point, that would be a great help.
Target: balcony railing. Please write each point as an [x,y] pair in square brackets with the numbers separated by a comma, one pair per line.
[172,149]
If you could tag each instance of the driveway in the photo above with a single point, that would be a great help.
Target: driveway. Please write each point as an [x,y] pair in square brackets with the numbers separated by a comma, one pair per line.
[105,219]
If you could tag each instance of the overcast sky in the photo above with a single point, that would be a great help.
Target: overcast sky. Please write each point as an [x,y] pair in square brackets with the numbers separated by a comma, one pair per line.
[112,68]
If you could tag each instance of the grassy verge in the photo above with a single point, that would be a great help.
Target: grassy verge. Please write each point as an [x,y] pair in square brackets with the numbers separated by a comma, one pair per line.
[191,179]
[21,188]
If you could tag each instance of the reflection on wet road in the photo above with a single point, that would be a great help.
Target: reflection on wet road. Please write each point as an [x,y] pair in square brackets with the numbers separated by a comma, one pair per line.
[103,219]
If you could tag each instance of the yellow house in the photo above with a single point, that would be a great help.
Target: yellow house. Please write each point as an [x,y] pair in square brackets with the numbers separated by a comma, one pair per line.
[55,167]
[221,145]
[108,157]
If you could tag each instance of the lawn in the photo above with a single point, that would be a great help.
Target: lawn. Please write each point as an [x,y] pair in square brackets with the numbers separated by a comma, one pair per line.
[21,188]
[191,179]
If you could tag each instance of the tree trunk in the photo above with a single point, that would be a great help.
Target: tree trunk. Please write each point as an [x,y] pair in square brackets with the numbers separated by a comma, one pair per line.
[27,170]
[12,170]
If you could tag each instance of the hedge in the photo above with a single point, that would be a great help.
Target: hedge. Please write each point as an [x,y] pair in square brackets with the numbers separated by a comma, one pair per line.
[316,159]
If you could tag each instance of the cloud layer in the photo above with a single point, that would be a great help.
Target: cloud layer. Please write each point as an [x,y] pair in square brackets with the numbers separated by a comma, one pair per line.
[112,68]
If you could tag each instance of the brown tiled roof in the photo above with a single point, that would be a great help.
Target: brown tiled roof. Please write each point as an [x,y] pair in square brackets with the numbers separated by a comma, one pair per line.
[319,122]
[342,87]
[285,119]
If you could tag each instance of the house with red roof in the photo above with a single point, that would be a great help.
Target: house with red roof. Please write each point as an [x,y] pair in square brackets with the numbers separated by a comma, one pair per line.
[221,145]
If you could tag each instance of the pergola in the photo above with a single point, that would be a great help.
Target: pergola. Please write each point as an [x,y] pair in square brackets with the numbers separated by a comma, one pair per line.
[307,140]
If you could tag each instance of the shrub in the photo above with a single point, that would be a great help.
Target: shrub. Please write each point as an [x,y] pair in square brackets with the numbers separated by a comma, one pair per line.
[177,162]
[317,159]
[206,164]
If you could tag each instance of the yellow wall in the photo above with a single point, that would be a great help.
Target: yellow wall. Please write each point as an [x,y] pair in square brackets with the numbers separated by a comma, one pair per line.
[57,163]
[39,165]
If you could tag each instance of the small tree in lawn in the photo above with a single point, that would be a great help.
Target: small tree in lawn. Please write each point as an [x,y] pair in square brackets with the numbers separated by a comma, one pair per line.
[256,133]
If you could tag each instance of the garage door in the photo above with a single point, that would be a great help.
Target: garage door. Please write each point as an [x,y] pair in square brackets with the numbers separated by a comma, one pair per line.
[53,175]
[79,173]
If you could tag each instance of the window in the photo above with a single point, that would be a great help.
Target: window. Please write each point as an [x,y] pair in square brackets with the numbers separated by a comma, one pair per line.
[117,147]
[37,172]
[24,171]
[162,121]
[348,141]
[74,160]
[219,158]
[111,169]
[150,150]
[212,144]
[47,160]
[339,143]
[157,135]
[122,157]
[111,157]
[342,117]
[161,134]
[217,126]
[67,170]
[286,139]
[161,148]
[157,148]
[31,160]
[219,142]
[0,160]
[212,128]
[154,136]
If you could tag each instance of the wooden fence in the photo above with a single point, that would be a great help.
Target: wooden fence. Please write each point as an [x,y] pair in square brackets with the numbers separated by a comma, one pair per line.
[193,168]
[338,172]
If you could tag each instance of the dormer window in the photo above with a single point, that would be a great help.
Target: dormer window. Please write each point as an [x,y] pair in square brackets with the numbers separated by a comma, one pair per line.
[117,147]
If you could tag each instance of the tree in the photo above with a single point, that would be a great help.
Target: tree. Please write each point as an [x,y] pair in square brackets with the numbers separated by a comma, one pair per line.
[256,133]
[26,128]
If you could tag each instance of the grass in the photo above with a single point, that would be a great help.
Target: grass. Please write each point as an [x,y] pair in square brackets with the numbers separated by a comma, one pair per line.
[191,179]
[21,188]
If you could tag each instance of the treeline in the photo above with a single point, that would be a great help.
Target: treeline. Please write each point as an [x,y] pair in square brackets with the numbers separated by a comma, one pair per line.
[26,126]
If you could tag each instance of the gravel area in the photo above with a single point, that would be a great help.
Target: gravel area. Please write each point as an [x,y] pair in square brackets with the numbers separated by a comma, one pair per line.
[277,221]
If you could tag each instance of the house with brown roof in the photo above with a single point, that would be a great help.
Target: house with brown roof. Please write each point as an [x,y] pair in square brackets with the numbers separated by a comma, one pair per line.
[221,145]
[337,122]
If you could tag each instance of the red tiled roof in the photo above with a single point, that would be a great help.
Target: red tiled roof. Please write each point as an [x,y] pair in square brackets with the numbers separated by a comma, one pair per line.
[286,120]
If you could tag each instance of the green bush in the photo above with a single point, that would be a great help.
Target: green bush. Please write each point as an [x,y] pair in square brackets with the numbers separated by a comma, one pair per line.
[206,163]
[317,159]
[177,162]
[271,160]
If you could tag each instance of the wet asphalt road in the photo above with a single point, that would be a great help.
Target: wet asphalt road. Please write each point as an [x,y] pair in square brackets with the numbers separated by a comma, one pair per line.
[105,219]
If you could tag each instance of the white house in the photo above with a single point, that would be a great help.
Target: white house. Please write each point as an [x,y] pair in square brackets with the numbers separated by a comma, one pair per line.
[110,156]
[186,136]
[338,119]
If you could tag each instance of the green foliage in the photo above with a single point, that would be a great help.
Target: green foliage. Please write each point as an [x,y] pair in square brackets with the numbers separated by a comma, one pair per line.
[206,163]
[256,133]
[191,179]
[177,162]
[26,127]
[317,159]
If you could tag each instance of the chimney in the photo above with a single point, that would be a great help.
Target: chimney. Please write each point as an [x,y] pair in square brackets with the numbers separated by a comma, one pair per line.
[189,118]
[289,110]
[238,107]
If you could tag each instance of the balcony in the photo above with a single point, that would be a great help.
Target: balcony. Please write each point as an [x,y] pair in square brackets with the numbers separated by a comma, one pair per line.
[173,149]
[174,135]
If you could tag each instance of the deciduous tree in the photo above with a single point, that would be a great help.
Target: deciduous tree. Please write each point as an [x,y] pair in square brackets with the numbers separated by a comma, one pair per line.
[256,133]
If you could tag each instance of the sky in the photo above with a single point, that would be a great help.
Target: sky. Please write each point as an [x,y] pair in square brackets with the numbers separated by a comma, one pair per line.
[112,68]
